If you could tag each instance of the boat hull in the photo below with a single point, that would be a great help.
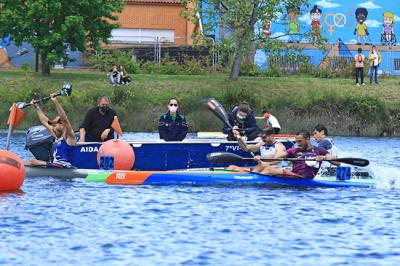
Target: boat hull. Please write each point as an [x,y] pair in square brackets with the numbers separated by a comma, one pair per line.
[192,177]
[153,155]
[223,177]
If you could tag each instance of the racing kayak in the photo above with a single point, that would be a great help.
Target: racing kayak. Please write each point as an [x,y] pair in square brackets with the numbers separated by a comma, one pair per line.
[193,176]
[225,177]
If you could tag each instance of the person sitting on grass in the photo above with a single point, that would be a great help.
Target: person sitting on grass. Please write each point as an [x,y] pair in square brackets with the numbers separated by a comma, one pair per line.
[114,76]
[125,79]
[64,135]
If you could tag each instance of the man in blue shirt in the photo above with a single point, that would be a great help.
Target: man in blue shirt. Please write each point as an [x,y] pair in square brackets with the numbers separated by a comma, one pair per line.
[320,134]
[242,119]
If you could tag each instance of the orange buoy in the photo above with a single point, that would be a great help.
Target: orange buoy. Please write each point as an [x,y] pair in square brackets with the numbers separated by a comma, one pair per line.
[12,171]
[116,154]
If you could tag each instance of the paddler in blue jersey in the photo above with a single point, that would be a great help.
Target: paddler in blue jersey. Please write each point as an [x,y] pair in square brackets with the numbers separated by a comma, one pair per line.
[320,134]
[62,131]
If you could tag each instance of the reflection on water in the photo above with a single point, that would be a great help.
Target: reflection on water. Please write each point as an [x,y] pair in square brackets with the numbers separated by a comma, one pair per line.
[69,221]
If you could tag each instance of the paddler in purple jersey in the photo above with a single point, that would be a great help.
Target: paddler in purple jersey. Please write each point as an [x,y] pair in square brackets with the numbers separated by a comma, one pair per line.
[64,135]
[301,169]
[304,149]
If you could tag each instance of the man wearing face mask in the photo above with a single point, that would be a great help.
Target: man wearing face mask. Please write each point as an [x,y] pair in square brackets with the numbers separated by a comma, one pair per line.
[172,125]
[96,125]
[242,119]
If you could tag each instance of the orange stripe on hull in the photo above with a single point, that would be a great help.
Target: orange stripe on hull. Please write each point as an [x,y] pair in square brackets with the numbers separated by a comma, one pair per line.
[128,178]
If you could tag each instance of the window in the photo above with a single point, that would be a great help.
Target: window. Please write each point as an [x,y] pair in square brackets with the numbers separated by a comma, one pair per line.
[396,62]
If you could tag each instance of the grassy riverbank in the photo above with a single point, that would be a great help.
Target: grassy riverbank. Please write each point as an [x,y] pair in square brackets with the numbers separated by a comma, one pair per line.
[298,101]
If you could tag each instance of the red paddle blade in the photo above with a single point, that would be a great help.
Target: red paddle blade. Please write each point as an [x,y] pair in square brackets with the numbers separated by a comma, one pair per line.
[15,117]
[116,126]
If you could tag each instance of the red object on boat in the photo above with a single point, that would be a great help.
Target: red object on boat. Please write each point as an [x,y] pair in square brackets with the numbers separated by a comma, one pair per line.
[122,152]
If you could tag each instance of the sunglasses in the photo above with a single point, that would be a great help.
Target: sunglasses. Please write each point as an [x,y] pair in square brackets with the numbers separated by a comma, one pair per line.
[173,104]
[263,135]
[54,122]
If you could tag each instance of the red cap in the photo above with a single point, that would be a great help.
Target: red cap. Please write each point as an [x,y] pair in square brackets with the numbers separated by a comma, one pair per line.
[266,115]
[56,120]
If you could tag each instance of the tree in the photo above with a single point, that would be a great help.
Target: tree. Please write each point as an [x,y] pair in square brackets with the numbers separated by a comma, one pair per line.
[241,16]
[48,25]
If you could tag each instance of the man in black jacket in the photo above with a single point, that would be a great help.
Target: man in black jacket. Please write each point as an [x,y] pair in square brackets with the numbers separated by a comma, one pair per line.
[172,125]
[242,119]
[96,125]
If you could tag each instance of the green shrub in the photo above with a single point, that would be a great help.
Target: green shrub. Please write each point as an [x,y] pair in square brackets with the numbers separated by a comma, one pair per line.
[169,67]
[26,67]
[106,59]
[193,67]
[122,95]
[249,69]
[149,67]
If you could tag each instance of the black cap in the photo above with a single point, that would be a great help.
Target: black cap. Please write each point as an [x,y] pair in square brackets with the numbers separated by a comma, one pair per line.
[267,131]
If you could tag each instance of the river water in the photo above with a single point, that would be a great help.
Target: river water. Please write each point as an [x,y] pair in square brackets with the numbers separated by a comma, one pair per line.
[71,222]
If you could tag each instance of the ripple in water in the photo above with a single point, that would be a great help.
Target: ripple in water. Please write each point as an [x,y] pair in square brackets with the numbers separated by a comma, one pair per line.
[70,222]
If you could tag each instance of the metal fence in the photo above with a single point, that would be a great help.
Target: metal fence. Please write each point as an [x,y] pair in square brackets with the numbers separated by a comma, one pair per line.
[160,47]
[288,63]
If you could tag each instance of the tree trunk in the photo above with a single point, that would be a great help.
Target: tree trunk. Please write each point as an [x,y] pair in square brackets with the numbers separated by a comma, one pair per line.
[36,62]
[251,52]
[237,60]
[45,68]
[243,39]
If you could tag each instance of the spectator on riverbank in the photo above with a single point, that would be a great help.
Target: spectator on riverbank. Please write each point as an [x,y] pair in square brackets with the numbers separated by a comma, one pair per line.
[375,59]
[172,125]
[124,78]
[97,124]
[359,59]
[114,76]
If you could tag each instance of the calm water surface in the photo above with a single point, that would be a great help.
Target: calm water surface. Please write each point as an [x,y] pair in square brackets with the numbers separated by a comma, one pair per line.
[71,222]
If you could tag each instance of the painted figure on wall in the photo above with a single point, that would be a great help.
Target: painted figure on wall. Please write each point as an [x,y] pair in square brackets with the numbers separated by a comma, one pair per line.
[294,26]
[4,59]
[316,14]
[266,27]
[388,37]
[361,29]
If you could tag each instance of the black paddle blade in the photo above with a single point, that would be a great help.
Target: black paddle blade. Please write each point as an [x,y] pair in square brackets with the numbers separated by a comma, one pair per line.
[219,111]
[224,157]
[66,89]
[353,161]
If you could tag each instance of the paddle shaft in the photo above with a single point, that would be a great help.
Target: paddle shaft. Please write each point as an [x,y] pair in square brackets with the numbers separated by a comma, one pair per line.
[227,157]
[41,100]
[352,161]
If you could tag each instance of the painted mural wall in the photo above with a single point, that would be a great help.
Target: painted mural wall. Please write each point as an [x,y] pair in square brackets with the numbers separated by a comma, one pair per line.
[355,21]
